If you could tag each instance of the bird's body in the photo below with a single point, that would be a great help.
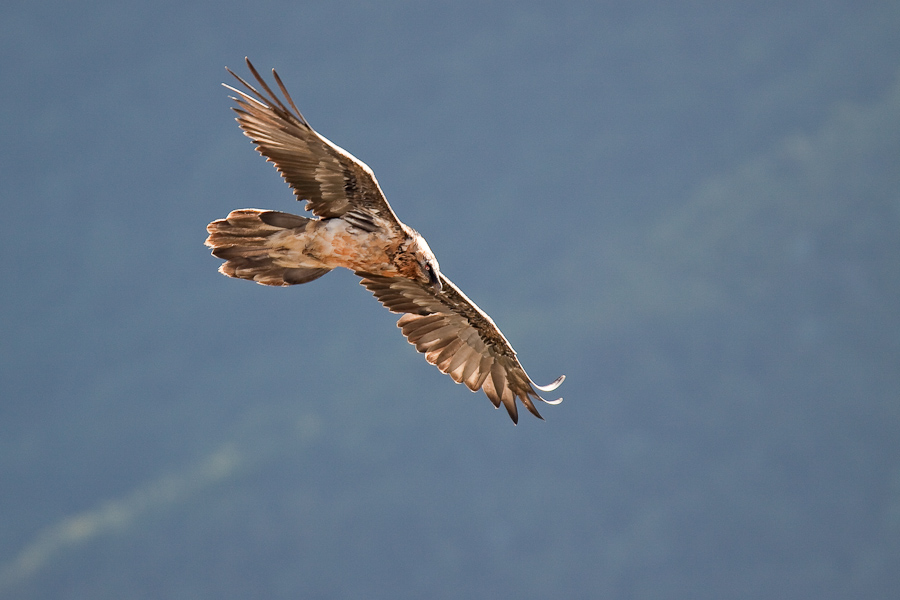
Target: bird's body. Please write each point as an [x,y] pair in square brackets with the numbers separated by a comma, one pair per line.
[354,227]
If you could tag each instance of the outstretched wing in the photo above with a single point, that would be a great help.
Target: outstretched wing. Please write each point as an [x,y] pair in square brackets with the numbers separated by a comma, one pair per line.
[330,179]
[459,339]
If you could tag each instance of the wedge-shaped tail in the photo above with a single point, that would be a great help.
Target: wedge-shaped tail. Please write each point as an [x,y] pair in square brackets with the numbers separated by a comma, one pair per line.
[244,239]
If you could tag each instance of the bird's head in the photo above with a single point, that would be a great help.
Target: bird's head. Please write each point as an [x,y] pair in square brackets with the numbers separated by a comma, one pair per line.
[427,268]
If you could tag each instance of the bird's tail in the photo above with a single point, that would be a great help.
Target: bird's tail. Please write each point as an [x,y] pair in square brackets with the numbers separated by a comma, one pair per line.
[245,240]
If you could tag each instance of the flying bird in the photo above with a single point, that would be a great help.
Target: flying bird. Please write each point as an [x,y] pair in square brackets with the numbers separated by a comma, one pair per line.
[353,226]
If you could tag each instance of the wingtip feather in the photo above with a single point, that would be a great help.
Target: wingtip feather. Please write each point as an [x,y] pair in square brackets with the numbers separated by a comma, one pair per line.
[551,386]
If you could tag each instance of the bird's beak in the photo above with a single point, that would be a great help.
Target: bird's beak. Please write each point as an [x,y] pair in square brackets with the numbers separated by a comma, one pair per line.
[436,284]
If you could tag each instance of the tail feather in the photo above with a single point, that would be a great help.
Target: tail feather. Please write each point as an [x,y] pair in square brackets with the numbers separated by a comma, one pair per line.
[242,239]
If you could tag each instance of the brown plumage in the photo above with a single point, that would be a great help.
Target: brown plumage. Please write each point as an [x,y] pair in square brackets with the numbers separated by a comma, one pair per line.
[357,229]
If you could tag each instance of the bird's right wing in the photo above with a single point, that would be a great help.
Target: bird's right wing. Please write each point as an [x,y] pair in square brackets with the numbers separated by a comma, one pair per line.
[330,179]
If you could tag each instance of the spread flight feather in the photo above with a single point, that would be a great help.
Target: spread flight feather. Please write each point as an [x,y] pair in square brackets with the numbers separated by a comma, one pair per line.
[357,229]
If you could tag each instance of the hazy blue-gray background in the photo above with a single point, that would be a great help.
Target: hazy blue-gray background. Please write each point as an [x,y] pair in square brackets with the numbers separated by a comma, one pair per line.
[691,209]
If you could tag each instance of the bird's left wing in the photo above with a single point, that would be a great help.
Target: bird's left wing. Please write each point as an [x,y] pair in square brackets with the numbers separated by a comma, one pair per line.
[459,339]
[331,180]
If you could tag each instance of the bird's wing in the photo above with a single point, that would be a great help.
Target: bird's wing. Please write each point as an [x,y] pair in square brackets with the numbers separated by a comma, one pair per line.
[459,339]
[330,179]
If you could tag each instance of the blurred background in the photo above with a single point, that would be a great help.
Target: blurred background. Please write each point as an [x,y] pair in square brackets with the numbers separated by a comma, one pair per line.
[691,210]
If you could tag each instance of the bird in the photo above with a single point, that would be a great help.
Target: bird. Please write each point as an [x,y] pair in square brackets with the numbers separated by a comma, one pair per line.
[353,226]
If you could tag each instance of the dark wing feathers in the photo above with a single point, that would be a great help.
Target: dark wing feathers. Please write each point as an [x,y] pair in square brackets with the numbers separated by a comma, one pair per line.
[459,339]
[330,179]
